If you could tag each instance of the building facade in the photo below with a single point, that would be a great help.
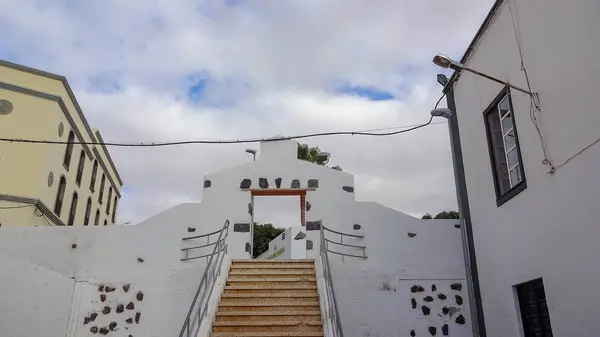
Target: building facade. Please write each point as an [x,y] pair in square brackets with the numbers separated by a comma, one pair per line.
[70,183]
[532,165]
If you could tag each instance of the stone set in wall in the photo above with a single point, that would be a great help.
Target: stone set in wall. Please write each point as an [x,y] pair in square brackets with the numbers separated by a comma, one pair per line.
[117,308]
[451,310]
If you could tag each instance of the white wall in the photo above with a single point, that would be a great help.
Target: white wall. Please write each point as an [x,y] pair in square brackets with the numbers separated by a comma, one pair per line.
[374,294]
[226,200]
[292,248]
[109,256]
[36,303]
[549,230]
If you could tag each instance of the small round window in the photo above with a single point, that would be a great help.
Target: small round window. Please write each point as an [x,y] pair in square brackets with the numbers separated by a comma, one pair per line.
[6,107]
[61,129]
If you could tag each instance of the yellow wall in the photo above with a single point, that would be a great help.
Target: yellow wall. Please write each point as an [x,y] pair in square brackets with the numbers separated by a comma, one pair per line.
[25,168]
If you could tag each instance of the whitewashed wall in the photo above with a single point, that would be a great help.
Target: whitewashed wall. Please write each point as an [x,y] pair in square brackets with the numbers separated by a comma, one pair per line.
[374,294]
[292,243]
[34,301]
[146,257]
[277,159]
[549,230]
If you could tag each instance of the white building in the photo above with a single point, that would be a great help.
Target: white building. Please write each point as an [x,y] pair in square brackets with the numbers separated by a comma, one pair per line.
[409,279]
[534,215]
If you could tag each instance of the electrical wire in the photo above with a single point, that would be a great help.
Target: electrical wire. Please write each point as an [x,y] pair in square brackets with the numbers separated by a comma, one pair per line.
[534,104]
[233,141]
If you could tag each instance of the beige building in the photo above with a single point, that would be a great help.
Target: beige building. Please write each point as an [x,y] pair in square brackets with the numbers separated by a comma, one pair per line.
[70,184]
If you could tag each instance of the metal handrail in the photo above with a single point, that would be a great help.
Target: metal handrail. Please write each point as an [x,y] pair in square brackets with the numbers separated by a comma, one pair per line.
[198,309]
[201,236]
[344,234]
[341,243]
[333,313]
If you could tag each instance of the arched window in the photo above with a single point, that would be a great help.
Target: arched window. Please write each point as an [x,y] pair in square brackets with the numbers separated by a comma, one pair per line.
[69,150]
[60,195]
[88,210]
[108,200]
[94,173]
[114,214]
[73,209]
[101,194]
[80,168]
[105,223]
[97,218]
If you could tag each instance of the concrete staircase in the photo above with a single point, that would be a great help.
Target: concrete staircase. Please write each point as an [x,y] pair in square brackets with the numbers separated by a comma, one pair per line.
[269,298]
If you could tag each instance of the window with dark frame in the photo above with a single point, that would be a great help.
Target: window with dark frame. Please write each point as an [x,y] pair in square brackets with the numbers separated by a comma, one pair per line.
[69,150]
[88,210]
[505,154]
[101,194]
[108,200]
[80,168]
[60,195]
[94,173]
[114,212]
[73,209]
[535,316]
[97,218]
[105,223]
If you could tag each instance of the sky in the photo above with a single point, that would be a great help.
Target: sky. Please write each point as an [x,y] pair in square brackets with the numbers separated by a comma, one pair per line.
[168,70]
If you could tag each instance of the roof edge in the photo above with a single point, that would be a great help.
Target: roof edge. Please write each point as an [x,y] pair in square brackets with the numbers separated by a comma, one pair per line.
[482,29]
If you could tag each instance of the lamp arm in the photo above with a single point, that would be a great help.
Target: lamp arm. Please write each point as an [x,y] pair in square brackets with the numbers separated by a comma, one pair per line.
[497,80]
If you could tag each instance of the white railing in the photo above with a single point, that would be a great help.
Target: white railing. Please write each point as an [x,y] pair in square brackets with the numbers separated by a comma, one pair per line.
[333,321]
[199,307]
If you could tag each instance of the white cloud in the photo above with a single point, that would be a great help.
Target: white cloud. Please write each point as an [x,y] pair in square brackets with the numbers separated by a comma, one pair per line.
[289,52]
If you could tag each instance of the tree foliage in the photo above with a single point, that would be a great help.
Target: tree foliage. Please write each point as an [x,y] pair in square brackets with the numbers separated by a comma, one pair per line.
[443,215]
[263,234]
[312,154]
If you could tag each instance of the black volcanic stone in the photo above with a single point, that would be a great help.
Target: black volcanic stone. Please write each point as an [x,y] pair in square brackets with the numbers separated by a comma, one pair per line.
[425,310]
[263,183]
[245,184]
[456,286]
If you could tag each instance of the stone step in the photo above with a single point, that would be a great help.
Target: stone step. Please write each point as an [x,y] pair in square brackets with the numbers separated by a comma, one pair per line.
[269,307]
[272,273]
[292,326]
[274,261]
[283,286]
[268,316]
[308,278]
[268,300]
[268,334]
[261,292]
[266,266]
[267,294]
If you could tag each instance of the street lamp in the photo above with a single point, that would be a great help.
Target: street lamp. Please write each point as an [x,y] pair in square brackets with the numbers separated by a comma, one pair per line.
[253,152]
[444,61]
[441,112]
[461,192]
